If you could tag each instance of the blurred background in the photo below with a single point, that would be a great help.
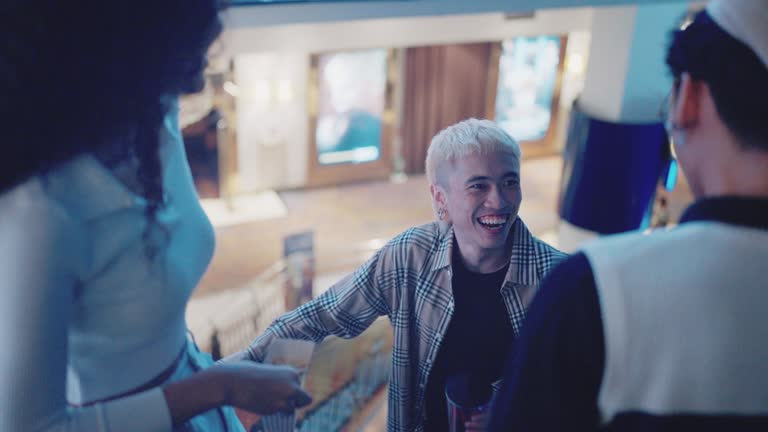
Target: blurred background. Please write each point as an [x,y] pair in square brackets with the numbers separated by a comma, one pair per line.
[307,148]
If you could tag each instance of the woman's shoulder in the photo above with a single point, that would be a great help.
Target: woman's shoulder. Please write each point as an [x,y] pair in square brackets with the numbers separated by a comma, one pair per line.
[87,189]
[34,222]
[29,203]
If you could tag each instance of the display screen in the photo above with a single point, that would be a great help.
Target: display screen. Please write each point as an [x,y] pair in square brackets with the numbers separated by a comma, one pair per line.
[528,68]
[352,98]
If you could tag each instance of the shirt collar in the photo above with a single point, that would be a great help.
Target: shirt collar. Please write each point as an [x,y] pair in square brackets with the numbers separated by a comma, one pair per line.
[749,212]
[522,261]
[445,246]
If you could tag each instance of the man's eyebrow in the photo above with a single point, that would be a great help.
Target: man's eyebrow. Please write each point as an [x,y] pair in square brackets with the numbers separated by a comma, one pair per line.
[477,178]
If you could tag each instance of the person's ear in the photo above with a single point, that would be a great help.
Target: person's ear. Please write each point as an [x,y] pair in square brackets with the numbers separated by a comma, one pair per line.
[439,200]
[687,103]
[438,194]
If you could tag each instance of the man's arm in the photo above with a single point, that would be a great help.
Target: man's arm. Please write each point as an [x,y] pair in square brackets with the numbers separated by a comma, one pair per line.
[554,374]
[345,310]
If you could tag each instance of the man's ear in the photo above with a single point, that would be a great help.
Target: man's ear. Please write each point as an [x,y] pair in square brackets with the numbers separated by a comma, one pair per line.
[438,195]
[687,108]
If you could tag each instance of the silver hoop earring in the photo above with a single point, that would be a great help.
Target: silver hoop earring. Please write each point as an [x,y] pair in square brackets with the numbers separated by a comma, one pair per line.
[441,213]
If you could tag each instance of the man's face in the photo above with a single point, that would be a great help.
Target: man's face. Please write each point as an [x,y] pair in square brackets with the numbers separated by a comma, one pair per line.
[482,198]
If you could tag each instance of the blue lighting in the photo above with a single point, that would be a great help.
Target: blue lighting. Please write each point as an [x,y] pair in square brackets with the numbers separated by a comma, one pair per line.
[671,175]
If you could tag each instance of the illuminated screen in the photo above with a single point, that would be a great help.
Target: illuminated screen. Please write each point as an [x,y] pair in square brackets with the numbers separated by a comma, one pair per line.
[528,69]
[352,95]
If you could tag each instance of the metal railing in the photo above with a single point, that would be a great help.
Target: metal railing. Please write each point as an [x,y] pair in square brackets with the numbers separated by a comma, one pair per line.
[250,312]
[253,307]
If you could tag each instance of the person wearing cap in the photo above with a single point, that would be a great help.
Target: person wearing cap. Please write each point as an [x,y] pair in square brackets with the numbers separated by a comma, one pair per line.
[668,331]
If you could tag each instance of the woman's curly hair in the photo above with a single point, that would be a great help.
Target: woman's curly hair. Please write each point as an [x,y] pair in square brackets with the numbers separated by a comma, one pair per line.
[89,76]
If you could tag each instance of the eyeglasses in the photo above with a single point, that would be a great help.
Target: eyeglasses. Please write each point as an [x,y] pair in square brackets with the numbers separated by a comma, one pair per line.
[671,173]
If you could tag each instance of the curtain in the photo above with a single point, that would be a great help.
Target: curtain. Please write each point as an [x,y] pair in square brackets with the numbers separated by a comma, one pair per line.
[443,85]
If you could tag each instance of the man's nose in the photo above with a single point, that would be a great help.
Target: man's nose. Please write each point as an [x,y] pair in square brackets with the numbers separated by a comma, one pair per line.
[495,199]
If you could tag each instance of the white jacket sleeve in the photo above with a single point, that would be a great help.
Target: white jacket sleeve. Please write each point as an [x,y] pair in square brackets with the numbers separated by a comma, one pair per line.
[42,251]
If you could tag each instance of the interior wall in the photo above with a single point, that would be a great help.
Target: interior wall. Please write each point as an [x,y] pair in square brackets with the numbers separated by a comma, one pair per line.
[402,32]
[273,132]
[272,125]
[574,73]
[338,11]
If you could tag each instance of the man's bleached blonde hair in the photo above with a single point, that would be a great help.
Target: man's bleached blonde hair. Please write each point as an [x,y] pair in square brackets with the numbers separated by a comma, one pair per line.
[468,137]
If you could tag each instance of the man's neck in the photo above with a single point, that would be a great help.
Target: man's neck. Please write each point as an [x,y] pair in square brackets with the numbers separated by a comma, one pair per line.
[484,260]
[742,174]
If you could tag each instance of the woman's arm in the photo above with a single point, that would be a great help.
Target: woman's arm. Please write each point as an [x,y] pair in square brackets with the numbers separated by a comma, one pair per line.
[255,387]
[42,252]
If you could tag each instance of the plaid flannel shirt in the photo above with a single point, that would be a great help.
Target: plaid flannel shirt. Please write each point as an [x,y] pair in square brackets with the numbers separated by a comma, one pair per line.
[409,280]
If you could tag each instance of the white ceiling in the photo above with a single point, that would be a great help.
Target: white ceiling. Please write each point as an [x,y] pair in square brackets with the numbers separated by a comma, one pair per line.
[402,32]
[250,16]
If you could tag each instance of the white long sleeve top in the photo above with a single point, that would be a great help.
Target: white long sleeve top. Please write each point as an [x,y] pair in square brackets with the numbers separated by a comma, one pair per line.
[84,314]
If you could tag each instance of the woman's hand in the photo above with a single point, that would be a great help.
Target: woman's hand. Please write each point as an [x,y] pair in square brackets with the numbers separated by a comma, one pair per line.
[261,389]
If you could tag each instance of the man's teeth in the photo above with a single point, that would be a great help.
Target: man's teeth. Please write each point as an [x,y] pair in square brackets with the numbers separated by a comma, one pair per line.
[493,221]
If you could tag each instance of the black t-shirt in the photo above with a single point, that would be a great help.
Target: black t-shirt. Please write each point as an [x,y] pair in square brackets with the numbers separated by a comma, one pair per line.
[476,343]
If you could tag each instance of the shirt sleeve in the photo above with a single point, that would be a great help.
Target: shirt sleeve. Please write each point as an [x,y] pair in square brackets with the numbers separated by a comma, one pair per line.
[553,377]
[41,254]
[348,308]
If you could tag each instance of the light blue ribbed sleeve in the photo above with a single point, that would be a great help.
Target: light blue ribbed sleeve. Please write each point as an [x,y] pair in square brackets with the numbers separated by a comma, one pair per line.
[42,252]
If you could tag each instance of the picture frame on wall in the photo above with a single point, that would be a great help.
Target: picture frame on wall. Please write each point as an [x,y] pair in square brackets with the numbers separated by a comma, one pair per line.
[351,118]
[523,94]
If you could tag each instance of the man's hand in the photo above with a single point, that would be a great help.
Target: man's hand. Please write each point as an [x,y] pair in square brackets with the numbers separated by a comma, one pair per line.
[238,356]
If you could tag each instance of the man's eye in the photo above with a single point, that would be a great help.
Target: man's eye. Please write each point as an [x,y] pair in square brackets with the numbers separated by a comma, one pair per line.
[511,183]
[477,186]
